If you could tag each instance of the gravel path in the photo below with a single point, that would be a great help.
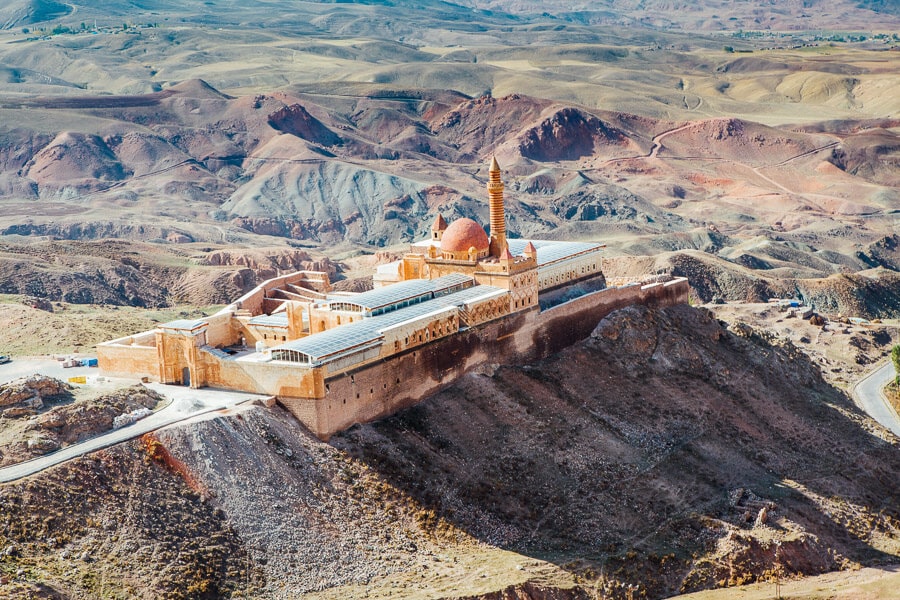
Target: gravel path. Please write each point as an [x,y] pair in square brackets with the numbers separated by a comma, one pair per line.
[185,403]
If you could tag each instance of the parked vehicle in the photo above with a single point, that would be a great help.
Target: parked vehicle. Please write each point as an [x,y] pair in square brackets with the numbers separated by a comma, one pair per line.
[4,359]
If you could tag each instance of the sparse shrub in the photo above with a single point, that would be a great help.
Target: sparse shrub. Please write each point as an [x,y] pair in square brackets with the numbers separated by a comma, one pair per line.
[895,358]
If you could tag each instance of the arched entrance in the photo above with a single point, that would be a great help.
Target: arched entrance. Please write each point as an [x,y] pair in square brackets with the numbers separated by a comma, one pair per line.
[186,377]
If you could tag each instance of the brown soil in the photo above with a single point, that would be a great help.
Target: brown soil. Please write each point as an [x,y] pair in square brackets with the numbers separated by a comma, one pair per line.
[556,479]
[62,418]
[117,524]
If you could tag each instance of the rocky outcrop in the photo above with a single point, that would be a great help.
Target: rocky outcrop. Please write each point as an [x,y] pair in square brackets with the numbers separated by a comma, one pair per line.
[83,419]
[638,434]
[296,120]
[58,421]
[25,396]
[568,134]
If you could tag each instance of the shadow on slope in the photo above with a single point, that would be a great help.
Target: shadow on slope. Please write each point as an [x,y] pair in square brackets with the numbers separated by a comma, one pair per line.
[643,456]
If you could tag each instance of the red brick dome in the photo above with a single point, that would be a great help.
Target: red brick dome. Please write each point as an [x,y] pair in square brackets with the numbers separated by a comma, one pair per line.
[463,234]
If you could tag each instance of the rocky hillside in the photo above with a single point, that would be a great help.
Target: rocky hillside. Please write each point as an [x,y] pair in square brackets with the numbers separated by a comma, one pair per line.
[362,167]
[625,476]
[39,415]
[124,272]
[666,453]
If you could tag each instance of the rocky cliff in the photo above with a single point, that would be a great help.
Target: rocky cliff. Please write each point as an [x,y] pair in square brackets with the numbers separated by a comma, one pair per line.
[665,453]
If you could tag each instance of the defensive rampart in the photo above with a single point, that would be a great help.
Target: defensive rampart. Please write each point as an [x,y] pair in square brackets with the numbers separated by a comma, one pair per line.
[380,389]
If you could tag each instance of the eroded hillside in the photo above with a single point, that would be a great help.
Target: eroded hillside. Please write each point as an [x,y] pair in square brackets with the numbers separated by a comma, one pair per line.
[768,145]
[772,205]
[665,453]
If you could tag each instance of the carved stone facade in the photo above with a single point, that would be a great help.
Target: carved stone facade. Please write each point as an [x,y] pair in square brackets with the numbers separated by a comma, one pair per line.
[455,301]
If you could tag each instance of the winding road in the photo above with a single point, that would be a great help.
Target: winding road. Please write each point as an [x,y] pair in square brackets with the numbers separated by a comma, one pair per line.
[185,403]
[869,395]
[188,403]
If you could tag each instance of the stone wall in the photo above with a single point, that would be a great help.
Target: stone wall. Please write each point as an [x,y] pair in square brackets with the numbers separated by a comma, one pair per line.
[123,360]
[254,299]
[380,389]
[280,379]
[221,332]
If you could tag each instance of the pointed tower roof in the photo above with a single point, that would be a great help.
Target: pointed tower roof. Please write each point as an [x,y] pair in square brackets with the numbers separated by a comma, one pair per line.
[494,166]
[530,249]
[506,255]
[439,223]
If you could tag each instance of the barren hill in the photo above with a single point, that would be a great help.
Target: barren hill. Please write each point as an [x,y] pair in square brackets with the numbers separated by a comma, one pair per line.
[643,456]
[373,171]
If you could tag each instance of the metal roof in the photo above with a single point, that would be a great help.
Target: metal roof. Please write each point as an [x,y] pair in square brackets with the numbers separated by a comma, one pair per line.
[549,252]
[274,320]
[401,291]
[331,343]
[185,324]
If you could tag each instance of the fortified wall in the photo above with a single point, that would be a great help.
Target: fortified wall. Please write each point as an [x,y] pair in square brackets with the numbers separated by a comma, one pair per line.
[454,302]
[380,389]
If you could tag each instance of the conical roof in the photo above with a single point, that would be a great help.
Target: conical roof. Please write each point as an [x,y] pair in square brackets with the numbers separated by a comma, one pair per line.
[494,166]
[439,223]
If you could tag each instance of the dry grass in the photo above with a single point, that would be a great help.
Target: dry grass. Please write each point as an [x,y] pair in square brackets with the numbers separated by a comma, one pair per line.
[892,391]
[27,331]
[865,584]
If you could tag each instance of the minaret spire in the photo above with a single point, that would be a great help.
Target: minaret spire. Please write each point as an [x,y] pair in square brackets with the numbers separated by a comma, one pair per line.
[498,214]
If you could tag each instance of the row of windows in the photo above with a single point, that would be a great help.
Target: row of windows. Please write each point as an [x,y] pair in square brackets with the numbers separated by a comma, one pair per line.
[568,275]
[435,331]
[527,300]
[403,304]
[290,356]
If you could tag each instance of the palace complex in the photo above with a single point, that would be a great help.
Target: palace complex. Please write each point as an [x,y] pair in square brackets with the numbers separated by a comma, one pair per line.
[457,300]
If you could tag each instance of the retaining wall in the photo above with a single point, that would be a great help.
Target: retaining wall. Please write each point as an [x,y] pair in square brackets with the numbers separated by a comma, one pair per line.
[380,389]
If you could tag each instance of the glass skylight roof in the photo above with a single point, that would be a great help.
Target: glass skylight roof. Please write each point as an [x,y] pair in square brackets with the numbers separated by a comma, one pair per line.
[401,291]
[329,344]
[549,252]
[275,320]
[184,324]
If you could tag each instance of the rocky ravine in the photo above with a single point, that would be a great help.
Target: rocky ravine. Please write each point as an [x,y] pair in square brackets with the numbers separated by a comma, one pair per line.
[665,453]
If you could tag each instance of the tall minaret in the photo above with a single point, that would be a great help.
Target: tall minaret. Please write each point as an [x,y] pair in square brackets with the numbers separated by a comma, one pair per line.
[498,215]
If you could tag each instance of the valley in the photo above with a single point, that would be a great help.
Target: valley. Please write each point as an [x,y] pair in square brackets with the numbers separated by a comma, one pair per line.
[159,159]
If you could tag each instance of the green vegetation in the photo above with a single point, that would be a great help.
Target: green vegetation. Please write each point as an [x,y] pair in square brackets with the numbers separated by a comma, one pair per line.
[895,358]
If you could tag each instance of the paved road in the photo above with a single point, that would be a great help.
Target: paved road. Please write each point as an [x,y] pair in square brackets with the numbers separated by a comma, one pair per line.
[186,403]
[23,367]
[869,394]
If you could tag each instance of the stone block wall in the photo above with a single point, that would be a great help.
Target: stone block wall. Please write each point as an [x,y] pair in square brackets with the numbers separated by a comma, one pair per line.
[123,360]
[380,389]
